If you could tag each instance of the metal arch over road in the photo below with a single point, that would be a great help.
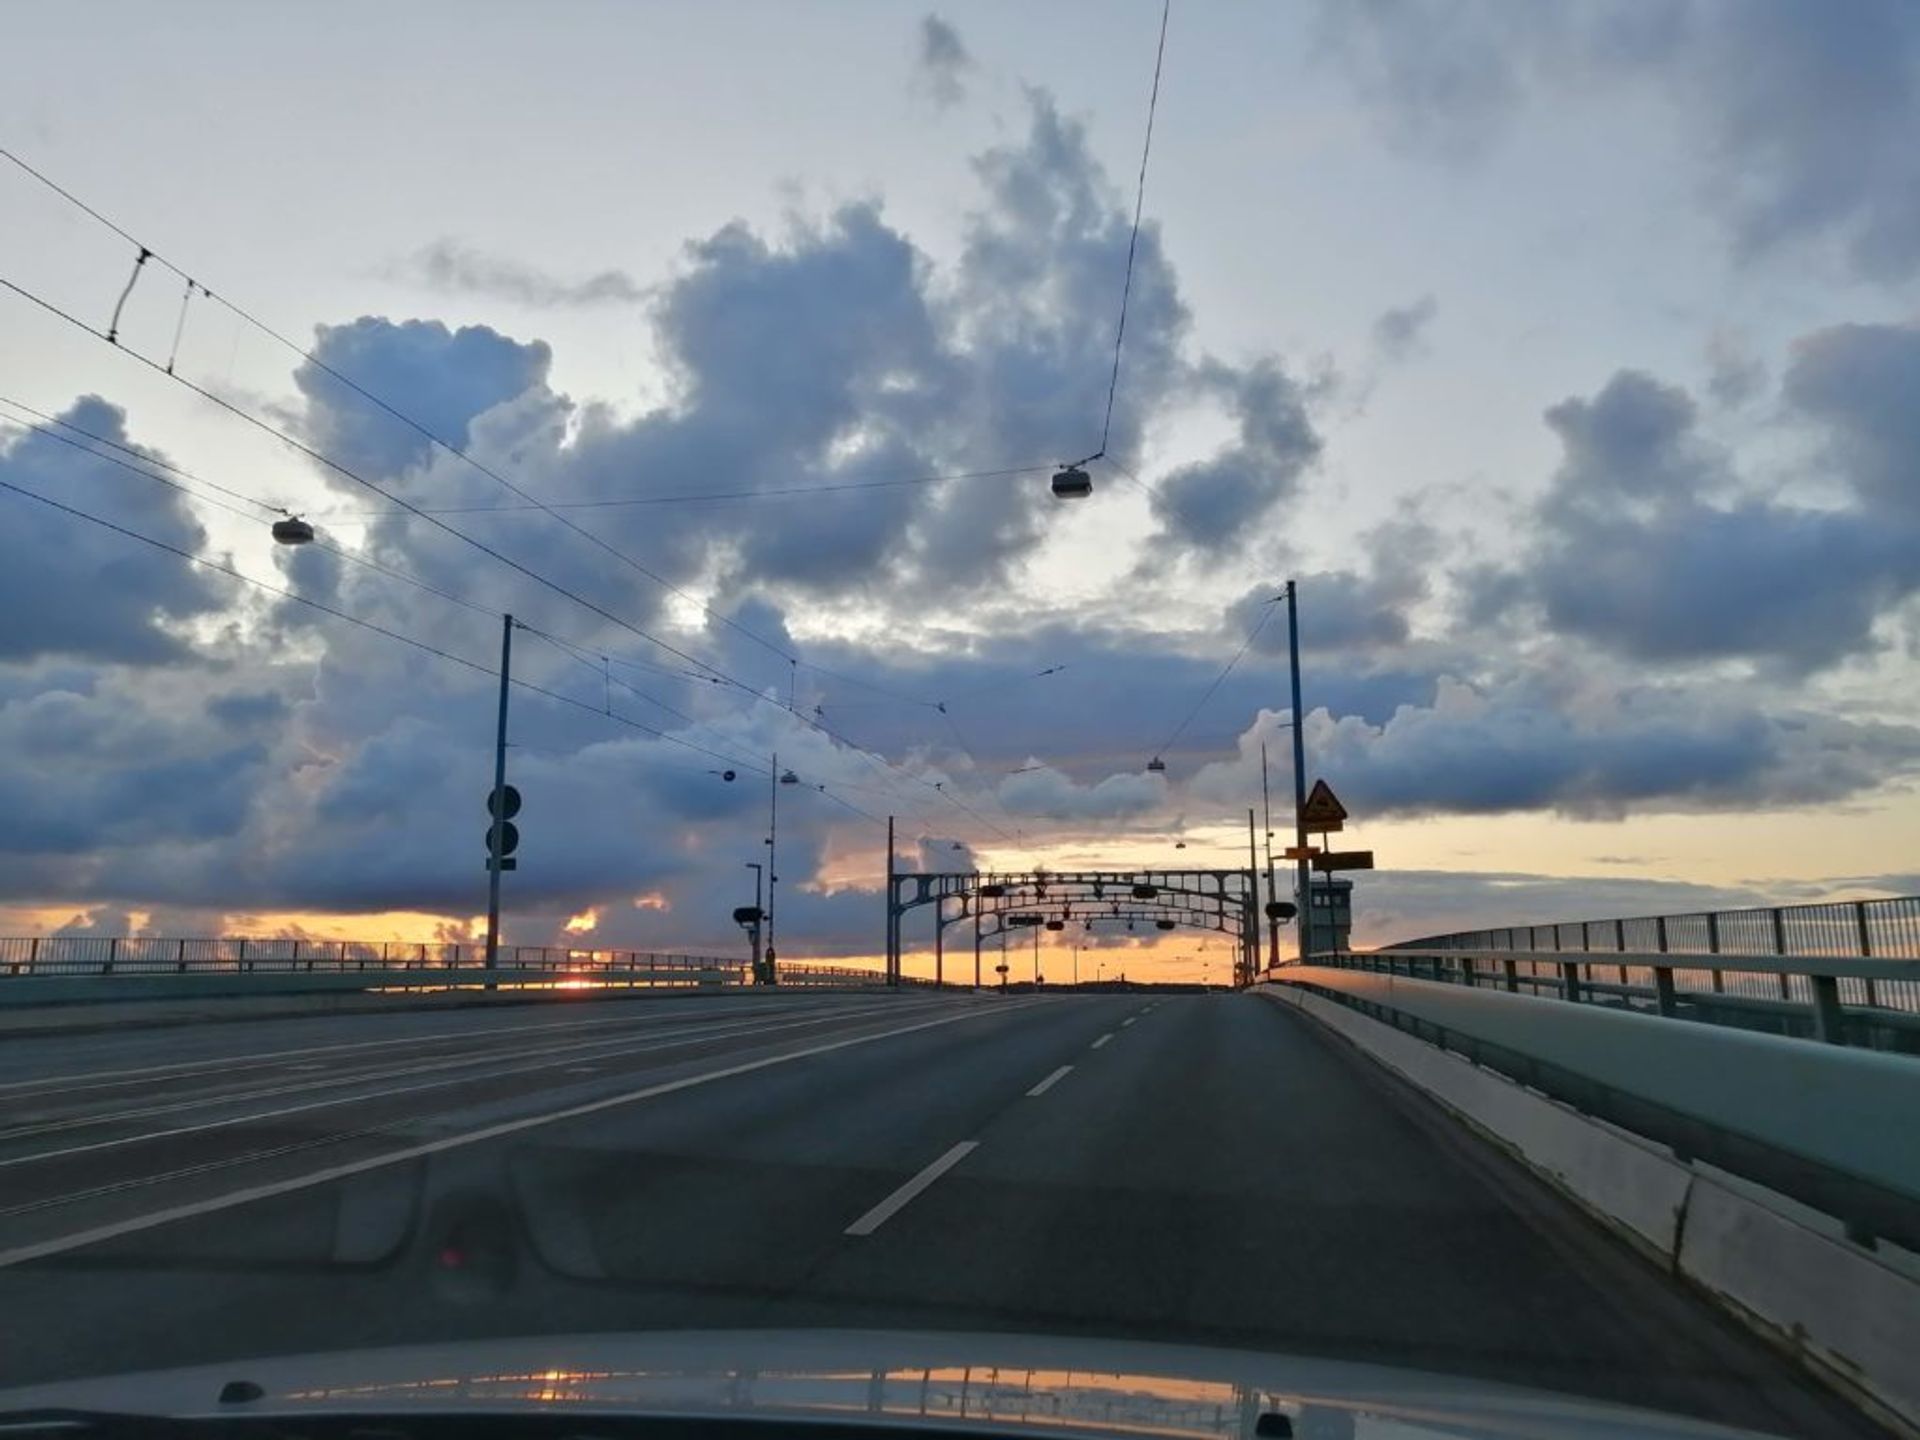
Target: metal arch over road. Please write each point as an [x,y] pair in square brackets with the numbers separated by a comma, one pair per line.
[1226,901]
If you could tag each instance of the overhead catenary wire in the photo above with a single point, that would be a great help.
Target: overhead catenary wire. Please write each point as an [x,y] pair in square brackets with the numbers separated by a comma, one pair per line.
[400,502]
[703,497]
[1133,239]
[349,556]
[419,428]
[403,638]
[1266,613]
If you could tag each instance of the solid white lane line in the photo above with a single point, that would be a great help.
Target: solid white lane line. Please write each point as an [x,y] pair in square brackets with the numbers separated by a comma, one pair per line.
[1101,1041]
[899,1199]
[545,1062]
[1128,1021]
[20,1254]
[1048,1083]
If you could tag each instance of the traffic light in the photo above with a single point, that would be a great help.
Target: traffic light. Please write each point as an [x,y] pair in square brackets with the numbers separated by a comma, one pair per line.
[503,836]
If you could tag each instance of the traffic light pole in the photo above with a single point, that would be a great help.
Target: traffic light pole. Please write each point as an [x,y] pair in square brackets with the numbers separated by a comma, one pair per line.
[498,802]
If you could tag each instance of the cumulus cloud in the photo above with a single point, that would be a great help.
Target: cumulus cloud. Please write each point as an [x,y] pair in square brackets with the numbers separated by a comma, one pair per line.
[1518,746]
[1211,507]
[448,267]
[449,378]
[75,590]
[1648,544]
[944,62]
[313,767]
[1802,114]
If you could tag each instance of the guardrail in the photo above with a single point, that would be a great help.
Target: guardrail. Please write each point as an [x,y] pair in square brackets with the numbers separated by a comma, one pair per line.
[1868,1001]
[75,955]
[227,964]
[1739,968]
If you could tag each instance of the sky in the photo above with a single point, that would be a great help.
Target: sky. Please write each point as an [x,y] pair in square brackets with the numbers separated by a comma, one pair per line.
[1565,356]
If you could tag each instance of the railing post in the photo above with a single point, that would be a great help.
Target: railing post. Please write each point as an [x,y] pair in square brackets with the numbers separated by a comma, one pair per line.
[1512,970]
[1467,976]
[33,955]
[1866,946]
[1713,948]
[245,964]
[113,952]
[181,963]
[1780,948]
[1829,1023]
[1663,990]
[1570,978]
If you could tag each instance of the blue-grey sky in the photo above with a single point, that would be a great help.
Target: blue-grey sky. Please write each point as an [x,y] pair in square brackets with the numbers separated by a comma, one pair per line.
[1566,355]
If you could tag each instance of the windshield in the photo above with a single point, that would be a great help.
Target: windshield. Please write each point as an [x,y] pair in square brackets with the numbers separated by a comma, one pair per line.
[1063,671]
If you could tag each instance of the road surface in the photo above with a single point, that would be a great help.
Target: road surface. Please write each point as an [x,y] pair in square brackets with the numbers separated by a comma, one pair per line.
[1208,1169]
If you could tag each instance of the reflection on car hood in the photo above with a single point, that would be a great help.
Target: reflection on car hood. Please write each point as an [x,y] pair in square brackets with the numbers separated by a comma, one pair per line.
[1016,1385]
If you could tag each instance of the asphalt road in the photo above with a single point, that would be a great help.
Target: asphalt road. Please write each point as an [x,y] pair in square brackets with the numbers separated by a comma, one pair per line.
[1208,1169]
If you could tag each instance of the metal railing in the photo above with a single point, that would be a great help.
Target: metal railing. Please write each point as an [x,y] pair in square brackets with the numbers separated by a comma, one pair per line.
[1870,1001]
[82,955]
[79,956]
[1864,933]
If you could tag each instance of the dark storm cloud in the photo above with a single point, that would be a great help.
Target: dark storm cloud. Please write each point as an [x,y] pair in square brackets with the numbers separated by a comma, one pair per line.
[73,589]
[1800,115]
[1859,384]
[1213,505]
[447,377]
[452,268]
[943,61]
[1520,745]
[1647,545]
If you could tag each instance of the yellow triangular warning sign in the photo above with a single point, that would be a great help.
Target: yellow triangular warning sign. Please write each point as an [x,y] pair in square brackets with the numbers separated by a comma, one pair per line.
[1323,810]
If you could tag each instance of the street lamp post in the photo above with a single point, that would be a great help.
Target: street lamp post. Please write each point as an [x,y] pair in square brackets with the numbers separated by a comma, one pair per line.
[1302,874]
[773,863]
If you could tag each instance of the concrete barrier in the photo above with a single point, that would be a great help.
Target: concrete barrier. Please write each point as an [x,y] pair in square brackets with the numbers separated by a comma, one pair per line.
[1848,1109]
[1850,1314]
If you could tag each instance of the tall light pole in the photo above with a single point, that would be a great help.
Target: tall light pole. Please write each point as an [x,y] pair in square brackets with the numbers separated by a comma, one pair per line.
[497,801]
[773,863]
[1303,875]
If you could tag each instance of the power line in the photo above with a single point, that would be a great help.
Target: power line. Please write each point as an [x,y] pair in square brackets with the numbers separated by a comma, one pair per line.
[706,497]
[334,465]
[426,433]
[335,550]
[1133,240]
[1266,613]
[477,667]
[331,464]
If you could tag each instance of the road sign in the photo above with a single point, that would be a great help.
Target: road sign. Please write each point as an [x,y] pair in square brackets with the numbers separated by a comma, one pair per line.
[502,838]
[1323,810]
[1301,852]
[511,807]
[1344,860]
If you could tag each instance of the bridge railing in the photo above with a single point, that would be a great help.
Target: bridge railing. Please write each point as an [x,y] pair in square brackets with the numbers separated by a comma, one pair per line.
[83,955]
[1844,972]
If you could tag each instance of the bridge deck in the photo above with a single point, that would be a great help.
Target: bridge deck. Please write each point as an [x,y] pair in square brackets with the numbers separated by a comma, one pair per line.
[1210,1168]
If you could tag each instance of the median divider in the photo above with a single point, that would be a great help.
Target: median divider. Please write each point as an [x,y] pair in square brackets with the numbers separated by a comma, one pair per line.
[1844,1305]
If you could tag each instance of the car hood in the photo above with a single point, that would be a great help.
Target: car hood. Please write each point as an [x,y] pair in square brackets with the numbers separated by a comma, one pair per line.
[1007,1384]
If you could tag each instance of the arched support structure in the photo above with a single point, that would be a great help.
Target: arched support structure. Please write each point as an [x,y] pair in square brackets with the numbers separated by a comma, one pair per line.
[1226,901]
